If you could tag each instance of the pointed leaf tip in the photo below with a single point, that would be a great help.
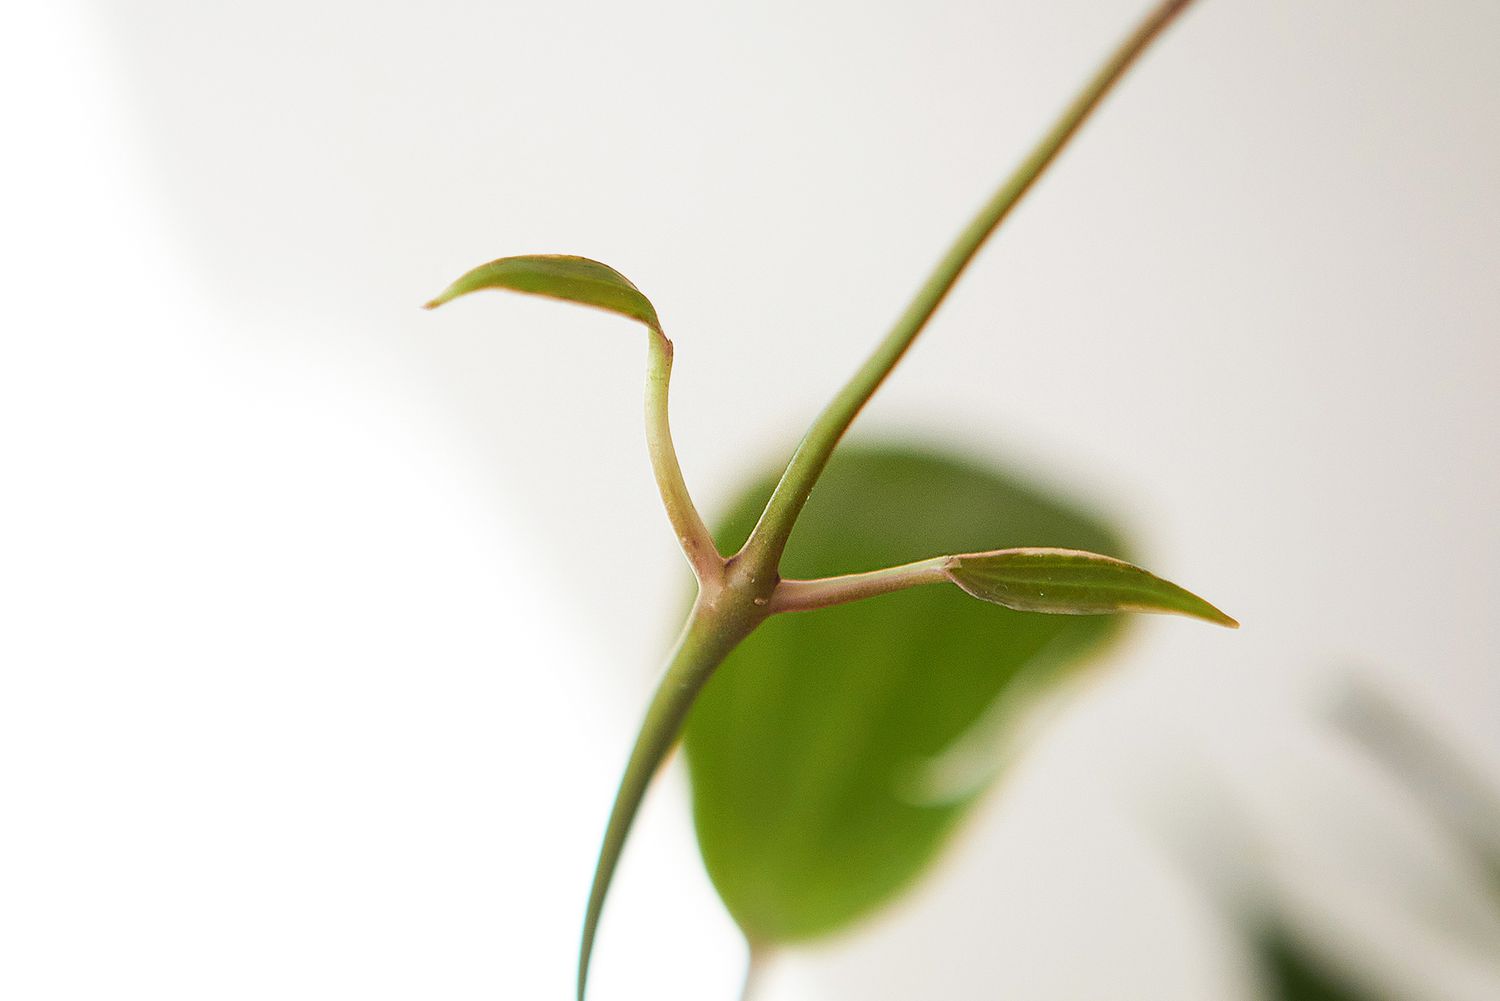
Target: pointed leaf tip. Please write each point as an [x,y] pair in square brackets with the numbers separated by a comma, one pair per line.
[557,276]
[1072,582]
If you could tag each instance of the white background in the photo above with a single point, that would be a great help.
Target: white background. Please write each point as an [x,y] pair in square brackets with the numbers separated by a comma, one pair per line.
[324,622]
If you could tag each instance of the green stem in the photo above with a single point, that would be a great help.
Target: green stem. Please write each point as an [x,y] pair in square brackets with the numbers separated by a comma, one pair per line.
[714,628]
[805,595]
[768,540]
[736,595]
[692,534]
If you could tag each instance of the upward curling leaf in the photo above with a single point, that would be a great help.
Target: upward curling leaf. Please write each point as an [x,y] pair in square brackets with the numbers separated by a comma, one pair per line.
[558,276]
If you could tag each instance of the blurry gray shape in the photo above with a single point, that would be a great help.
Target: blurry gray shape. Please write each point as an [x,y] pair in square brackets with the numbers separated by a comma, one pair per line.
[1297,931]
[1449,784]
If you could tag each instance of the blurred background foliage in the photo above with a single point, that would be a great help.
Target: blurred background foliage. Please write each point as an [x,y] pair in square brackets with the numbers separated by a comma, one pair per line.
[1455,796]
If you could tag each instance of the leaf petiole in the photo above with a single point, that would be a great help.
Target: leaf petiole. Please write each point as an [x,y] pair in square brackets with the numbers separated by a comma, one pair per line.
[806,595]
[590,283]
[692,534]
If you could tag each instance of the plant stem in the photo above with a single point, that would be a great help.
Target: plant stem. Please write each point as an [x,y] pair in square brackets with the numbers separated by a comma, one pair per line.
[713,629]
[736,595]
[692,534]
[755,967]
[804,595]
[767,542]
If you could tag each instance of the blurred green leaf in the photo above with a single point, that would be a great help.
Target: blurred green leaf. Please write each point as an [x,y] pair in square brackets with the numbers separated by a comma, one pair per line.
[558,276]
[1292,973]
[1069,582]
[1448,783]
[833,753]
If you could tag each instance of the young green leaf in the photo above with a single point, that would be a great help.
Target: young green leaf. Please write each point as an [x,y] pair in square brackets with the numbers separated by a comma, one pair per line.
[1071,582]
[580,280]
[836,750]
[558,276]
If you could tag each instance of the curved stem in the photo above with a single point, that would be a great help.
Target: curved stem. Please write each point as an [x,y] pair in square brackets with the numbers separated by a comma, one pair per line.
[710,634]
[692,534]
[805,595]
[768,540]
[755,968]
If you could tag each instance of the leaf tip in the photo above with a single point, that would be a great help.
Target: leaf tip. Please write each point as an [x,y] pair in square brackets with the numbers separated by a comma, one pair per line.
[1207,612]
[1227,621]
[1204,610]
[447,295]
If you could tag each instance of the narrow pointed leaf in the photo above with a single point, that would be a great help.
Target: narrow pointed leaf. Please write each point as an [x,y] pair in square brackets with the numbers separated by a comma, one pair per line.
[1072,582]
[558,276]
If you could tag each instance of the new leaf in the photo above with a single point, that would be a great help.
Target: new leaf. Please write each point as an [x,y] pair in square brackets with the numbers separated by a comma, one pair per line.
[558,276]
[1072,582]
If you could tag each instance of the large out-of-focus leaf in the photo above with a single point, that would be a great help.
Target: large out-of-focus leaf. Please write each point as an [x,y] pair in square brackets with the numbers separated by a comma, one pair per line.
[834,751]
[557,276]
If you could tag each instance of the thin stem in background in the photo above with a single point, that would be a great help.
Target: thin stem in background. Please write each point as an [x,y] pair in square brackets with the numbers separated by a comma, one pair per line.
[768,540]
[755,969]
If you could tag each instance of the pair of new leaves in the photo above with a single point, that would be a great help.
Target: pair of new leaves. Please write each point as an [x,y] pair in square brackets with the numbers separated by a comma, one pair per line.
[1060,581]
[832,752]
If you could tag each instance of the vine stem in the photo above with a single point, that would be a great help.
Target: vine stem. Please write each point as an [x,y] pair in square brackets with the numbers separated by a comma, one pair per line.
[768,540]
[714,628]
[736,595]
